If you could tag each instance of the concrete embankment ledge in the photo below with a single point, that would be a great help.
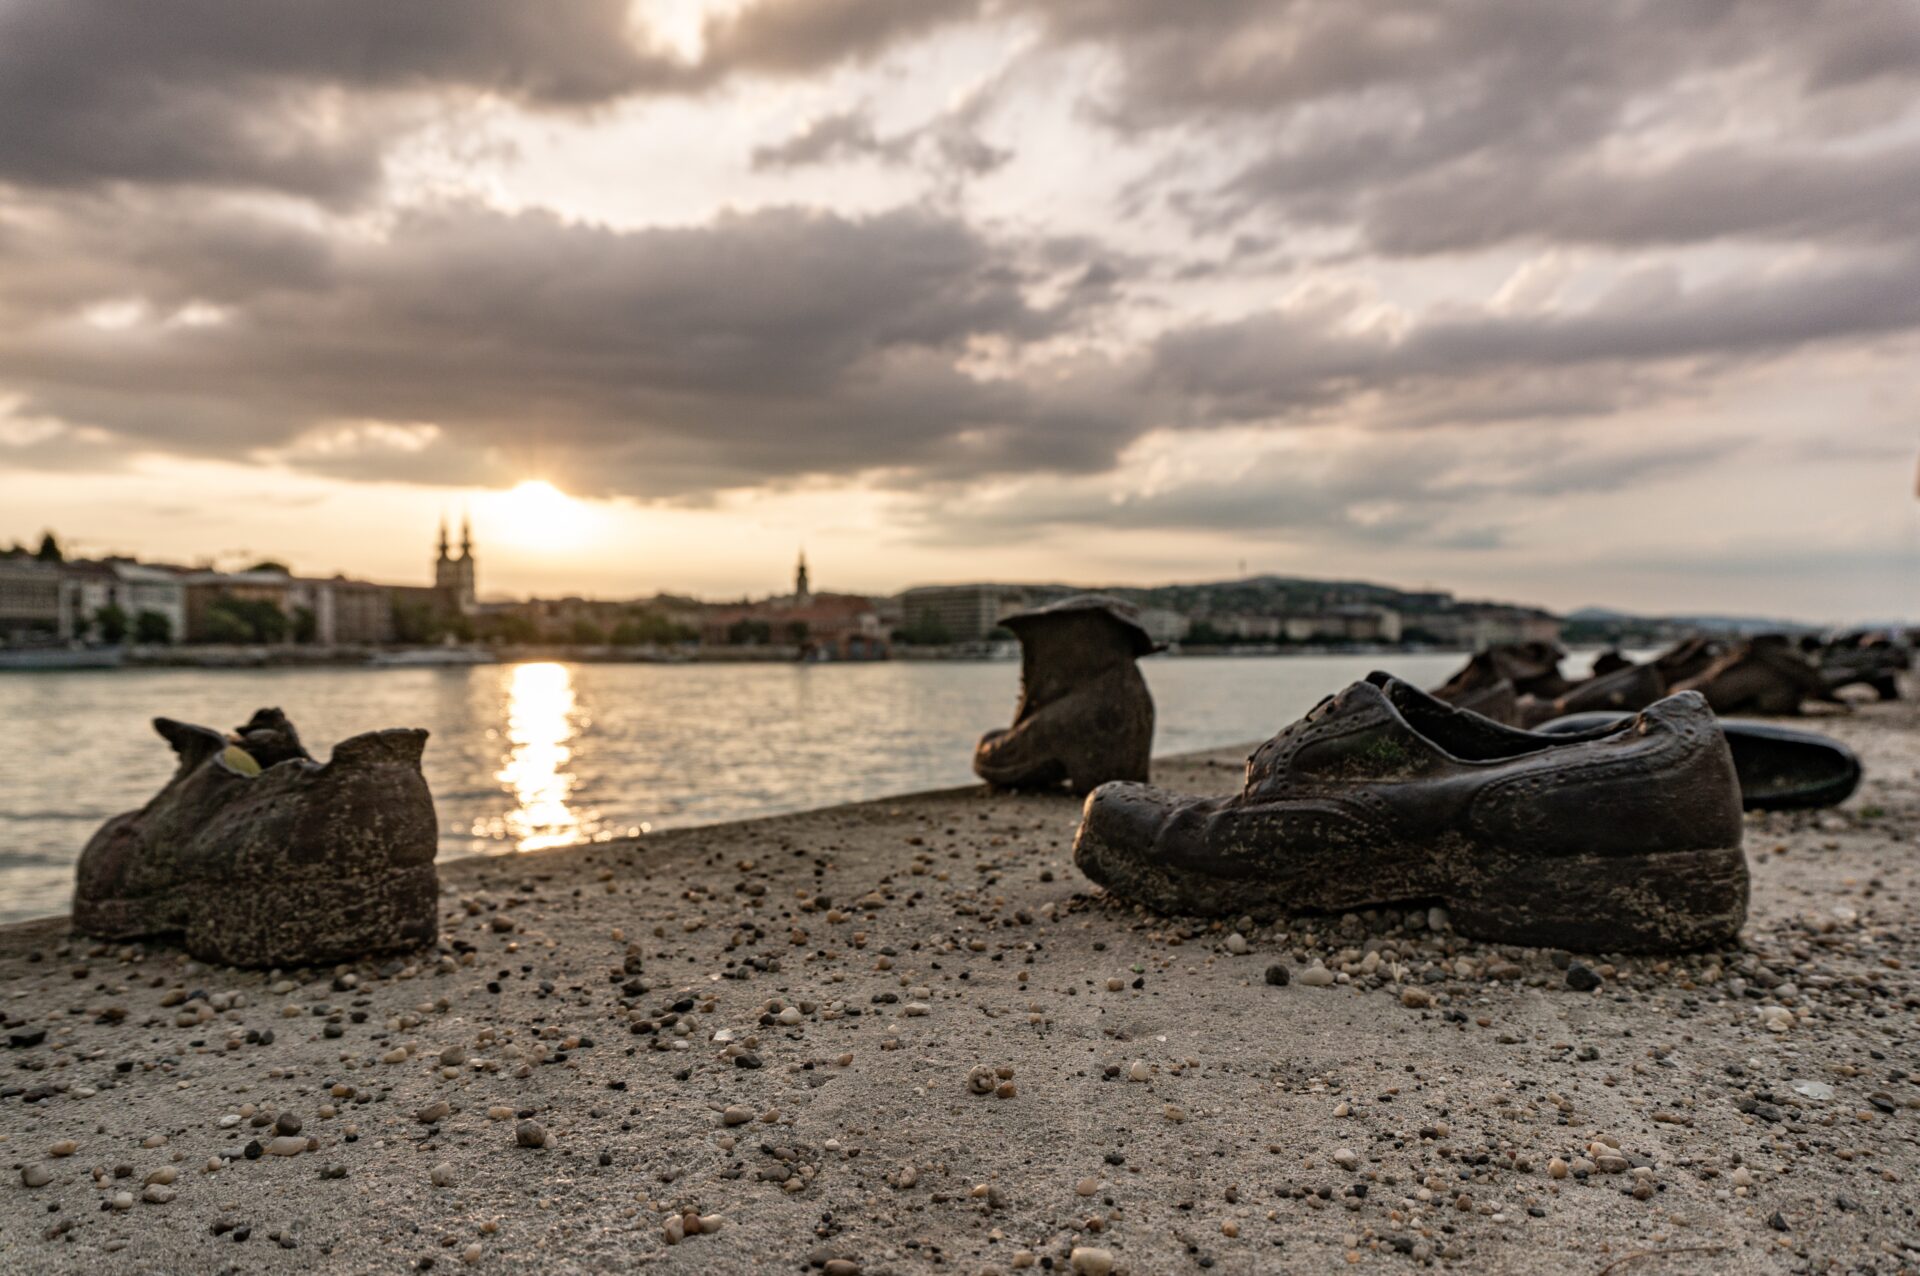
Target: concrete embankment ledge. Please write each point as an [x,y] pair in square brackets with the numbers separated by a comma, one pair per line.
[906,1036]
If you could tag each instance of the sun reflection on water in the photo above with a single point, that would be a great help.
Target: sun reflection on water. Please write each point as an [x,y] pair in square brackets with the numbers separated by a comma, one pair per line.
[540,722]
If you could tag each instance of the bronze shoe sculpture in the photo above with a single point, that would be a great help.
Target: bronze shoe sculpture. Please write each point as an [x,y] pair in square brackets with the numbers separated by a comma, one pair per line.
[1763,675]
[254,854]
[1780,769]
[1689,658]
[1612,660]
[1497,700]
[1624,839]
[1864,661]
[1085,716]
[1631,687]
[1533,669]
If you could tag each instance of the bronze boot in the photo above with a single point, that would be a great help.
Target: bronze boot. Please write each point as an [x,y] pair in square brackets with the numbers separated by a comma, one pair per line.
[254,854]
[1085,716]
[1621,839]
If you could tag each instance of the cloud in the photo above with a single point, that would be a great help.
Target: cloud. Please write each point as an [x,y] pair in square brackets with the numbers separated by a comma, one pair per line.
[1463,490]
[1423,128]
[287,95]
[1318,351]
[763,346]
[793,37]
[949,145]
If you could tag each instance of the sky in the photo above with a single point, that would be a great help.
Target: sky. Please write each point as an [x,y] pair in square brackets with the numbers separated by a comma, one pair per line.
[1612,304]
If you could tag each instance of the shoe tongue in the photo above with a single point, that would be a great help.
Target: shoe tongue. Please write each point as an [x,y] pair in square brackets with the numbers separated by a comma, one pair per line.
[1270,761]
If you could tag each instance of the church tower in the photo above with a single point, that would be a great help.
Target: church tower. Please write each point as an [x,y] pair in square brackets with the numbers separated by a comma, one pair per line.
[466,594]
[802,593]
[453,577]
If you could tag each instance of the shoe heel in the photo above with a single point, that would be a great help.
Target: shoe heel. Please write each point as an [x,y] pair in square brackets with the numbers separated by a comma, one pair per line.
[1658,902]
[317,915]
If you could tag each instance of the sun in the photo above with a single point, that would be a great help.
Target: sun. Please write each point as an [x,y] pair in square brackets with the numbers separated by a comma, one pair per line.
[536,515]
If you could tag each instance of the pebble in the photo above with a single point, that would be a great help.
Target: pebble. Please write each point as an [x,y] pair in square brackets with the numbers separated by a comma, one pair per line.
[442,1175]
[434,1113]
[35,1175]
[1582,977]
[981,1079]
[286,1145]
[1415,998]
[1086,1187]
[164,1175]
[736,1115]
[1316,976]
[1277,976]
[1556,1168]
[1139,1071]
[1089,1260]
[529,1134]
[286,1123]
[65,1147]
[157,1194]
[1345,1158]
[121,1200]
[1237,944]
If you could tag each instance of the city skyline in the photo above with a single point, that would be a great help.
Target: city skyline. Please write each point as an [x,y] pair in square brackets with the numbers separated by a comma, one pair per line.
[1609,306]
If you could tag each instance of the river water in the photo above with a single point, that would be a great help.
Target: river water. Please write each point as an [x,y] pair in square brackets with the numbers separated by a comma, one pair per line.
[533,755]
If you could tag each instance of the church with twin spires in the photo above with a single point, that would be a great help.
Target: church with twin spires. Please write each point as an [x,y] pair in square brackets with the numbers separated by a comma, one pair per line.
[453,577]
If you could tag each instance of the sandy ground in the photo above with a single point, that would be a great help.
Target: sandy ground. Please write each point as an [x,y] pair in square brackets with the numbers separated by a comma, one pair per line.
[1764,1101]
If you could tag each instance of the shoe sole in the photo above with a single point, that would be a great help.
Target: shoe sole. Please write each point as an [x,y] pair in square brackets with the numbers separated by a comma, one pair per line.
[1659,901]
[309,916]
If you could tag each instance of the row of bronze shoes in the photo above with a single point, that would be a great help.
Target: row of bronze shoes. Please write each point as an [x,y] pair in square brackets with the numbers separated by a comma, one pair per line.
[1597,814]
[1521,683]
[1614,825]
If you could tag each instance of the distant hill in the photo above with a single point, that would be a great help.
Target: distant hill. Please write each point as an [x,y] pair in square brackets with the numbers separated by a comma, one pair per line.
[1268,595]
[1598,617]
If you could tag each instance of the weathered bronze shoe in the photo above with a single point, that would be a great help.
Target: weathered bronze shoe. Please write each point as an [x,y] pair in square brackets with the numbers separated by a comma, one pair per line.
[1612,660]
[1864,661]
[257,855]
[1085,715]
[1780,769]
[1762,675]
[1630,687]
[1530,668]
[1623,839]
[1689,658]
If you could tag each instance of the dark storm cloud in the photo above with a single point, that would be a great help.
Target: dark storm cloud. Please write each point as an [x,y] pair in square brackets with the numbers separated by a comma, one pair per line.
[759,347]
[796,36]
[783,344]
[293,95]
[307,96]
